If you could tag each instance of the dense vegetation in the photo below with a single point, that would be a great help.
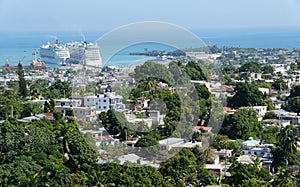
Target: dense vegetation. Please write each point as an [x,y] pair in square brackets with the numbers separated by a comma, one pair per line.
[44,154]
[246,95]
[41,153]
[149,74]
[115,126]
[242,124]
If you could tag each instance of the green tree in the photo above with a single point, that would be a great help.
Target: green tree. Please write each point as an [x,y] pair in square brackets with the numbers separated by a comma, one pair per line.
[242,124]
[252,67]
[196,71]
[280,84]
[287,139]
[184,167]
[49,105]
[35,94]
[268,69]
[294,104]
[293,66]
[202,91]
[253,182]
[284,178]
[269,135]
[153,70]
[9,107]
[110,122]
[244,172]
[147,141]
[246,95]
[270,115]
[23,91]
[59,89]
[122,175]
[30,109]
[295,91]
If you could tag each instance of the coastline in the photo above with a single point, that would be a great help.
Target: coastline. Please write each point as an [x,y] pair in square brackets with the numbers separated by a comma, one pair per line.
[15,45]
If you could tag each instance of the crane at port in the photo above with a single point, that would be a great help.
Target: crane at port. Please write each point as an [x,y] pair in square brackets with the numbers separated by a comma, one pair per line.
[21,60]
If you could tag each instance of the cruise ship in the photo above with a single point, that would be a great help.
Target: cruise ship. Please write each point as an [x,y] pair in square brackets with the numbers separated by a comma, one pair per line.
[84,53]
[54,53]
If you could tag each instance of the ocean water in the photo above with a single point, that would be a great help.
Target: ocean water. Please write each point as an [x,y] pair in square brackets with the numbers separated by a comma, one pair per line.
[17,45]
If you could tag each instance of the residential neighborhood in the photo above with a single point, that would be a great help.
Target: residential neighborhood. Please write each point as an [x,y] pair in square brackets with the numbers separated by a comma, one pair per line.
[255,101]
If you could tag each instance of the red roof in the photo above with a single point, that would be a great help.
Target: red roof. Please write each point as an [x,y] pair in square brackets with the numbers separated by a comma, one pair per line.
[227,108]
[49,116]
[104,138]
[203,128]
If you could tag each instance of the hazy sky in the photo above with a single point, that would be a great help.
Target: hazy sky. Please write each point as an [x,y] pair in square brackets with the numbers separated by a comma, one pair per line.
[109,14]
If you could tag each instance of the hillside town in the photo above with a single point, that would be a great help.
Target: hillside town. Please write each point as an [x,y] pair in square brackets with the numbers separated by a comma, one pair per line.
[257,96]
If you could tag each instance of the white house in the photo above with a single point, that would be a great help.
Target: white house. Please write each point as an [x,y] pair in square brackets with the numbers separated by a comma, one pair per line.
[264,90]
[104,102]
[261,110]
[80,113]
[68,102]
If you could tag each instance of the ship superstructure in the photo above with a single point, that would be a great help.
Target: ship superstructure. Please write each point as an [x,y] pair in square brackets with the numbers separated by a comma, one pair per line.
[84,53]
[54,53]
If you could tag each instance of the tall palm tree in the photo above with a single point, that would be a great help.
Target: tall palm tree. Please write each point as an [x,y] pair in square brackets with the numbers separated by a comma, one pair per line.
[284,178]
[150,84]
[288,141]
[35,94]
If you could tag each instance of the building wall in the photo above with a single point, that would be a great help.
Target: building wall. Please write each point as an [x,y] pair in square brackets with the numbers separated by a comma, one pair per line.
[105,101]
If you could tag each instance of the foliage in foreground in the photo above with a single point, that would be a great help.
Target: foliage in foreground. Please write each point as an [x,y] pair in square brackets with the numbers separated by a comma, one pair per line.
[41,153]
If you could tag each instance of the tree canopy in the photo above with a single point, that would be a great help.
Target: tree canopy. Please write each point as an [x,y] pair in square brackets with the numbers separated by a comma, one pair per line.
[294,104]
[280,84]
[23,91]
[248,174]
[242,124]
[295,91]
[252,67]
[153,70]
[267,69]
[246,95]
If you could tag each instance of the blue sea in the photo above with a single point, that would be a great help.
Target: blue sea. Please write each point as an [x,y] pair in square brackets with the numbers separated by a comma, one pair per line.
[15,45]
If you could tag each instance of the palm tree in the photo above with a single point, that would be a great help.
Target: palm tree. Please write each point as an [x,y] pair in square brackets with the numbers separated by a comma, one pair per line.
[35,94]
[288,141]
[150,84]
[284,178]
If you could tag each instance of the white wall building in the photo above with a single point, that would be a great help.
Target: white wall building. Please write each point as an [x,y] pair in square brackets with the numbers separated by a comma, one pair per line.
[68,102]
[104,102]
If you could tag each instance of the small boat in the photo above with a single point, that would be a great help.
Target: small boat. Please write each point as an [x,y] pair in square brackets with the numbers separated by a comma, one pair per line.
[36,62]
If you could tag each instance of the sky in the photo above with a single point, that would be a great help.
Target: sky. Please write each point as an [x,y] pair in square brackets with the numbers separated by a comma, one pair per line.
[110,14]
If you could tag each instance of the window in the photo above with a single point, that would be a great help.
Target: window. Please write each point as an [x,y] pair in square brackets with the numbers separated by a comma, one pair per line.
[104,107]
[104,100]
[88,100]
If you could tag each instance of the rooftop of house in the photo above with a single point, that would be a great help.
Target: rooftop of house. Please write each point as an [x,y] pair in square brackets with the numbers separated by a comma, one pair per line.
[245,159]
[130,157]
[106,138]
[251,142]
[204,128]
[48,116]
[171,141]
